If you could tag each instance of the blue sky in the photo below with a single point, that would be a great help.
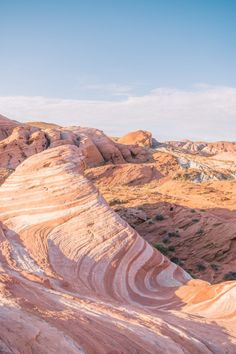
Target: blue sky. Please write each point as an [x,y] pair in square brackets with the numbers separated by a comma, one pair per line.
[112,51]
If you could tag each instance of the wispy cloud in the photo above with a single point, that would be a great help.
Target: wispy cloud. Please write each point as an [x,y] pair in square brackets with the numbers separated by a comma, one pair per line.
[203,113]
[110,89]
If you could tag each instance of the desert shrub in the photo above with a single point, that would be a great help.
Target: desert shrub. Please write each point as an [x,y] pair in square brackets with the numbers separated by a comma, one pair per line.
[171,248]
[176,260]
[163,249]
[193,211]
[200,267]
[190,273]
[173,233]
[166,240]
[215,266]
[199,232]
[159,217]
[195,220]
[115,201]
[78,140]
[230,276]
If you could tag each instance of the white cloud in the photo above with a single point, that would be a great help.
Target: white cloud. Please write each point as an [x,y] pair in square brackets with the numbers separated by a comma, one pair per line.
[109,89]
[204,113]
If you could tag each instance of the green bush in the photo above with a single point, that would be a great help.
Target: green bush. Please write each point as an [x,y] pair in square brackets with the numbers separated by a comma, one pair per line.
[159,217]
[176,260]
[163,249]
[173,233]
[190,273]
[171,248]
[215,266]
[200,267]
[115,201]
[195,220]
[230,276]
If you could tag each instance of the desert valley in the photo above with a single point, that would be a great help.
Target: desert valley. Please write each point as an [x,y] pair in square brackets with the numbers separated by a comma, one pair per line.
[115,244]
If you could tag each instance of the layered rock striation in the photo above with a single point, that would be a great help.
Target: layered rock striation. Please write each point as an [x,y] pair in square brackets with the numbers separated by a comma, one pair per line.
[76,278]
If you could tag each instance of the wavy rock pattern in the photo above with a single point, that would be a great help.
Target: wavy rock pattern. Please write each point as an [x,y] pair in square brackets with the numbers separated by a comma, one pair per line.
[76,278]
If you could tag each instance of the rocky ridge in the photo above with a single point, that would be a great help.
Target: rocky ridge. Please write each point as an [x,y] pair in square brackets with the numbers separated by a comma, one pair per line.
[24,140]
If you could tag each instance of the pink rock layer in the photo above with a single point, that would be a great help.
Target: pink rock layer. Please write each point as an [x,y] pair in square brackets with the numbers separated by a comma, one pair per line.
[19,141]
[76,278]
[6,126]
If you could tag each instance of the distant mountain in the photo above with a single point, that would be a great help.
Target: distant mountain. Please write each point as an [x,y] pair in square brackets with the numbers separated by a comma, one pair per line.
[204,148]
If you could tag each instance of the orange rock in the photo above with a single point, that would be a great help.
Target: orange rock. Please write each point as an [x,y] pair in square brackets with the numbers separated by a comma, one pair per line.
[140,137]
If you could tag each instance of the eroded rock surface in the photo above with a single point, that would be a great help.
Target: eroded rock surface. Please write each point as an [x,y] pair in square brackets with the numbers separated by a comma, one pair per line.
[76,278]
[6,126]
[22,141]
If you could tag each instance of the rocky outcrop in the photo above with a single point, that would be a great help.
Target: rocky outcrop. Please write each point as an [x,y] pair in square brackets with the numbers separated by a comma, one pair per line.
[139,137]
[22,143]
[27,140]
[43,125]
[111,151]
[76,278]
[128,174]
[4,173]
[6,126]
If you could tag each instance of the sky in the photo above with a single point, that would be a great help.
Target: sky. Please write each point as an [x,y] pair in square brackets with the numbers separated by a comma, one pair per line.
[167,66]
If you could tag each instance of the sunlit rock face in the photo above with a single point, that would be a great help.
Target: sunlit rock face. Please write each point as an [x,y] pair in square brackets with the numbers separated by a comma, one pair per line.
[76,278]
[138,137]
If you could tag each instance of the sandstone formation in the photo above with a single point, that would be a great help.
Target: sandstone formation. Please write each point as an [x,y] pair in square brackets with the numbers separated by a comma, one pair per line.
[6,126]
[76,278]
[197,206]
[4,173]
[111,151]
[22,141]
[43,125]
[138,137]
[127,174]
